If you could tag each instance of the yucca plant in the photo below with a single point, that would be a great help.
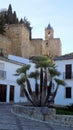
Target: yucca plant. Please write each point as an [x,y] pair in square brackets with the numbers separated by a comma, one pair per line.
[44,74]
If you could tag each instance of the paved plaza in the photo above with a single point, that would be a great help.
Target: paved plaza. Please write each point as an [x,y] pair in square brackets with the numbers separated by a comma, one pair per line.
[10,121]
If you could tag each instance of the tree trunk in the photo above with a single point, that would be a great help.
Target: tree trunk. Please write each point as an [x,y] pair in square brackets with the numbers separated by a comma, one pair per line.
[41,85]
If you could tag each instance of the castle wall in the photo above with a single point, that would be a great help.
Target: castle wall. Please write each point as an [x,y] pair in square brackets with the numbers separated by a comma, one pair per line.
[26,50]
[19,37]
[17,42]
[5,44]
[13,33]
[43,48]
[25,44]
[36,47]
[53,46]
[25,34]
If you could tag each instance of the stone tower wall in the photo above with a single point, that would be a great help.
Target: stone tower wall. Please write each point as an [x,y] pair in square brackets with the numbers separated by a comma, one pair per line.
[36,47]
[25,44]
[49,33]
[5,44]
[53,46]
[19,36]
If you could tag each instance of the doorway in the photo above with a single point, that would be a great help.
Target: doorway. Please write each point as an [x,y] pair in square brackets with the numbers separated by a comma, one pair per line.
[11,93]
[3,89]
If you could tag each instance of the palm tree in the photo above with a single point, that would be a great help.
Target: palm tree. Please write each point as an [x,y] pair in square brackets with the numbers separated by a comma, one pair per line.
[45,75]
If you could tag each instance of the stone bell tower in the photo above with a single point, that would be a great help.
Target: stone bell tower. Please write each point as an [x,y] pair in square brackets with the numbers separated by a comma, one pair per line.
[53,45]
[49,32]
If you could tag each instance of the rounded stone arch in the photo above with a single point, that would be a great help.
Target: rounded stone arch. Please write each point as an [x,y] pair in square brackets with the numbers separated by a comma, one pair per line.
[5,45]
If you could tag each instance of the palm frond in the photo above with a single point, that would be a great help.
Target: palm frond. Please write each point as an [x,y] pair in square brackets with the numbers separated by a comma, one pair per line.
[54,72]
[16,74]
[23,69]
[43,61]
[34,75]
[60,82]
[21,80]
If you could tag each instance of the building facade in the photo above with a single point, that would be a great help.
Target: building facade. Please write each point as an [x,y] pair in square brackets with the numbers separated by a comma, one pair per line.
[65,66]
[9,89]
[18,41]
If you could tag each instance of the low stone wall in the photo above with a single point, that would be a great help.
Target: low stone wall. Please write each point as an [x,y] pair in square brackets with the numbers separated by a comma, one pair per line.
[64,120]
[47,114]
[35,112]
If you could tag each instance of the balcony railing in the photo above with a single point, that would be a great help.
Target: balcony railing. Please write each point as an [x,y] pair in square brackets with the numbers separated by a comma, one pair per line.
[67,75]
[2,74]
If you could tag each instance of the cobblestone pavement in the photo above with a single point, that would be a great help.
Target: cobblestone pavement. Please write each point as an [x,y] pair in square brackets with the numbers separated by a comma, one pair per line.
[9,121]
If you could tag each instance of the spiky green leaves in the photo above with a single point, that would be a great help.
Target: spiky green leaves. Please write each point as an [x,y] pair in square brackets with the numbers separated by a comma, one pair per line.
[21,81]
[54,72]
[42,61]
[60,82]
[22,70]
[34,75]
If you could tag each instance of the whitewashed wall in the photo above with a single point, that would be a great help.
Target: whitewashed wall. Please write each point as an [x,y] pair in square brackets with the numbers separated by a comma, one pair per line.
[10,79]
[60,97]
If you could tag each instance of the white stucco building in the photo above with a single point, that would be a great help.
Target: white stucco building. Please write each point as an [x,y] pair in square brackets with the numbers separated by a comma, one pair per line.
[65,66]
[10,91]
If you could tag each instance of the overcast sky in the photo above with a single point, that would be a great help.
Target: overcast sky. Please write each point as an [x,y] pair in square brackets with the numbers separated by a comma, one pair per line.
[59,13]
